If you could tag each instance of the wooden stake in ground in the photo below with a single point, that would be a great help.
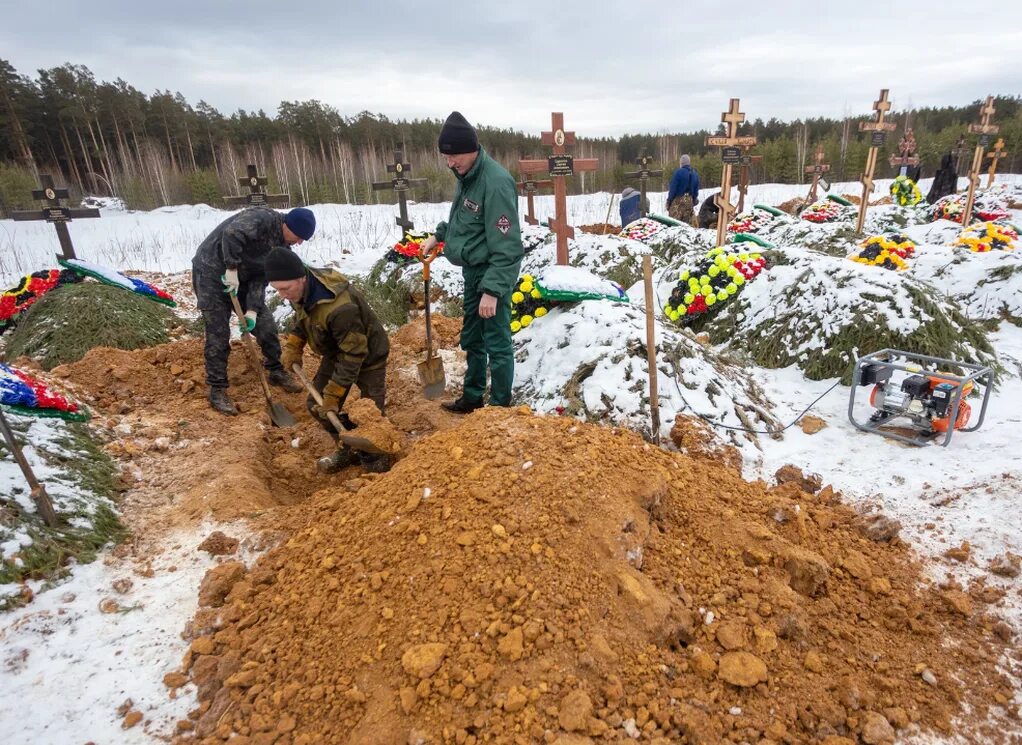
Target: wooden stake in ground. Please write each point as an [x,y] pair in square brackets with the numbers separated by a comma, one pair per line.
[38,491]
[878,129]
[906,155]
[995,155]
[401,185]
[985,130]
[744,164]
[54,213]
[559,165]
[817,169]
[528,188]
[257,196]
[654,396]
[730,155]
[643,175]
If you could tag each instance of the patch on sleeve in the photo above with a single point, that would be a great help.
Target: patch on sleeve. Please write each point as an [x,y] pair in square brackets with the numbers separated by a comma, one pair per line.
[503,224]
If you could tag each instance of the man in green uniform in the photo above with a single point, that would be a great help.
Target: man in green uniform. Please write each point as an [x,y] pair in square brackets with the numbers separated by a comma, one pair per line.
[335,320]
[482,236]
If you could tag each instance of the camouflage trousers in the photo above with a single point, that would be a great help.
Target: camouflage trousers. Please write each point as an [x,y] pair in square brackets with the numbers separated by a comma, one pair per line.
[681,209]
[218,322]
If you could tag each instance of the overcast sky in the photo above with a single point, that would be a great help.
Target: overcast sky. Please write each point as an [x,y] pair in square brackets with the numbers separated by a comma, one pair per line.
[611,67]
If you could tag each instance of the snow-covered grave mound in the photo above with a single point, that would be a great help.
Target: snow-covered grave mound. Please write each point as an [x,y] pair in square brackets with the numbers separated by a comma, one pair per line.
[589,359]
[985,285]
[821,312]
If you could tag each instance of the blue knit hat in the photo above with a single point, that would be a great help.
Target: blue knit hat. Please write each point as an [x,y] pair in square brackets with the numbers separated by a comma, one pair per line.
[301,222]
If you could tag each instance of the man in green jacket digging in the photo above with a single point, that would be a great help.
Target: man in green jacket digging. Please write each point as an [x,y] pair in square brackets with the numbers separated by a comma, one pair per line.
[482,236]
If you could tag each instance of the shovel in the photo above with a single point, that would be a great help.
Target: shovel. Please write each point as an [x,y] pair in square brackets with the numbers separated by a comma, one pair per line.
[279,414]
[431,371]
[352,441]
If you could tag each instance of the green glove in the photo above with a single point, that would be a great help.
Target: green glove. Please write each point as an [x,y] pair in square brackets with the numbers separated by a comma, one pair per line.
[246,324]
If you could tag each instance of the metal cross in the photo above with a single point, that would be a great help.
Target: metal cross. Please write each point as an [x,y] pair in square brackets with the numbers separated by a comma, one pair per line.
[54,213]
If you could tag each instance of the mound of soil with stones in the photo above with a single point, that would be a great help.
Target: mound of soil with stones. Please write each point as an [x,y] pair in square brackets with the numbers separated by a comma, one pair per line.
[522,579]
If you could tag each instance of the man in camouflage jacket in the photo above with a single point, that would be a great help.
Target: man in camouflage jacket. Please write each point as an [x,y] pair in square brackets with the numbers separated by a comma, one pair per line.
[336,322]
[230,260]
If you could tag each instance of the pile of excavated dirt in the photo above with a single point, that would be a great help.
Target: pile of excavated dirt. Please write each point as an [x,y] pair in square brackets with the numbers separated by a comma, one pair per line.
[522,579]
[601,228]
[182,462]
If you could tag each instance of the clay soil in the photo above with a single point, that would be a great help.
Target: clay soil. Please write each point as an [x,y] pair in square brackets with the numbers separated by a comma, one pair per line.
[524,579]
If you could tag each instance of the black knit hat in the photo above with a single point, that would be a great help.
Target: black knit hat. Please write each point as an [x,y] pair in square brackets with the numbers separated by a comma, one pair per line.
[457,136]
[283,264]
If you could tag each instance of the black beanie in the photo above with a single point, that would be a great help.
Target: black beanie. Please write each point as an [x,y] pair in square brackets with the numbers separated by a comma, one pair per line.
[283,264]
[457,136]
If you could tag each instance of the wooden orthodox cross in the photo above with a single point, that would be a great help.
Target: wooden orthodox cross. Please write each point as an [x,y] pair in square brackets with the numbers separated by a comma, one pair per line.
[528,187]
[643,175]
[730,146]
[401,185]
[559,165]
[985,130]
[54,213]
[878,129]
[257,196]
[817,169]
[994,156]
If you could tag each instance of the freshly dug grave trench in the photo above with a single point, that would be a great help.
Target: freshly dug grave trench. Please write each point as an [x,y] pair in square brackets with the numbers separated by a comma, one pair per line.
[524,579]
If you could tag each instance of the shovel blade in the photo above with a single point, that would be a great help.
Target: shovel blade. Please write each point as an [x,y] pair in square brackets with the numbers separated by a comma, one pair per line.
[361,443]
[433,378]
[280,416]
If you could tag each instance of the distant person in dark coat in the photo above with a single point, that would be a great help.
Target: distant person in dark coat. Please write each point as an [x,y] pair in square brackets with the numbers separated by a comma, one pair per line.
[708,212]
[945,181]
[683,194]
[631,209]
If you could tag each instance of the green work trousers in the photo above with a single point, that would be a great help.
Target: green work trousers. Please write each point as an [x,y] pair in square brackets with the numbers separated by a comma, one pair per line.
[487,342]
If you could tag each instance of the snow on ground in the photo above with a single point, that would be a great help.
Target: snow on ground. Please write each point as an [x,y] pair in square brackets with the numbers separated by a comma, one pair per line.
[47,452]
[967,491]
[66,666]
[77,664]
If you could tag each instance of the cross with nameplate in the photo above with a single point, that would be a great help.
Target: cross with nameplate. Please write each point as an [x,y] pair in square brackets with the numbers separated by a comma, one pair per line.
[878,130]
[744,164]
[54,213]
[401,185]
[528,187]
[730,146]
[817,169]
[985,130]
[995,155]
[643,175]
[906,155]
[257,196]
[559,165]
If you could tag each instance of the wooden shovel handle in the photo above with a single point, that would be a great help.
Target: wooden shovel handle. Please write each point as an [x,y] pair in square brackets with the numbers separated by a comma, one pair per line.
[252,352]
[317,397]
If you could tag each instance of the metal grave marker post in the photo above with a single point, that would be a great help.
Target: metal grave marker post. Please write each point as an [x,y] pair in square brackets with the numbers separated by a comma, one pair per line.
[643,175]
[54,213]
[401,185]
[257,196]
[817,169]
[528,187]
